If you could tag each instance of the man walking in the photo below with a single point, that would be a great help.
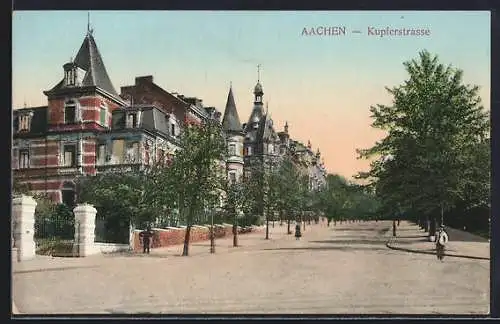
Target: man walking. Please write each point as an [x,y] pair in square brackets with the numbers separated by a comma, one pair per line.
[146,236]
[441,240]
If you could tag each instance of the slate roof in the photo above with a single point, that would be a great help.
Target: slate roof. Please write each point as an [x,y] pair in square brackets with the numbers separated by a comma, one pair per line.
[38,121]
[90,60]
[231,120]
[152,119]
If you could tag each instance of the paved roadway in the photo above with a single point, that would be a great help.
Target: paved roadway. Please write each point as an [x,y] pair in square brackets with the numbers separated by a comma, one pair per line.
[331,270]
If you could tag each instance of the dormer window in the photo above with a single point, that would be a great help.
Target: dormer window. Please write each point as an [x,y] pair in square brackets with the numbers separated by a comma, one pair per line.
[25,121]
[132,120]
[103,114]
[70,74]
[70,112]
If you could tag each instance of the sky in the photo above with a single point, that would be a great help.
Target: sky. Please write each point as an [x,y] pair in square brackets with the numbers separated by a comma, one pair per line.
[322,85]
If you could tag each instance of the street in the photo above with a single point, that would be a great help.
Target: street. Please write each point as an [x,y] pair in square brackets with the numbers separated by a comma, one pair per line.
[332,270]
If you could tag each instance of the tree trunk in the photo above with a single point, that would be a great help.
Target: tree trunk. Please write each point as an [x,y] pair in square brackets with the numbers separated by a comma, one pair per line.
[334,222]
[267,227]
[185,250]
[394,228]
[399,220]
[235,233]
[441,221]
[288,230]
[427,224]
[432,227]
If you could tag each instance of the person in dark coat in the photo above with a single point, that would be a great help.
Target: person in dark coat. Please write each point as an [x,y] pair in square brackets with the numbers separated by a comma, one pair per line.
[298,234]
[146,236]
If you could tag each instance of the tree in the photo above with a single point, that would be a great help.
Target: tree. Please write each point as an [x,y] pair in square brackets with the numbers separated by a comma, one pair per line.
[237,199]
[196,175]
[290,190]
[122,198]
[433,128]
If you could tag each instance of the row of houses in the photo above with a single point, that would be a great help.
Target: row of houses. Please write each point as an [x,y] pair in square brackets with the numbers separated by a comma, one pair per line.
[88,127]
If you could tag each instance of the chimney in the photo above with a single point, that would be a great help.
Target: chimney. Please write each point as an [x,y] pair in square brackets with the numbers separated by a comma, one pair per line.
[144,79]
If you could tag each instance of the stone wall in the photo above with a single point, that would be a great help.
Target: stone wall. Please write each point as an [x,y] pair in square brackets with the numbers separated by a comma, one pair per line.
[164,237]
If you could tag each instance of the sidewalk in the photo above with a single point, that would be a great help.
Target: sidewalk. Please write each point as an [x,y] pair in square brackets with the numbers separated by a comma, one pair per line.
[246,242]
[410,238]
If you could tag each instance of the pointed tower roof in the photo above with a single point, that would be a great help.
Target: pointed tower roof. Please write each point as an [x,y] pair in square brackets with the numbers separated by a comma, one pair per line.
[231,120]
[89,59]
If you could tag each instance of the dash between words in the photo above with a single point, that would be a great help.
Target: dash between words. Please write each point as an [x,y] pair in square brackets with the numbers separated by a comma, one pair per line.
[370,31]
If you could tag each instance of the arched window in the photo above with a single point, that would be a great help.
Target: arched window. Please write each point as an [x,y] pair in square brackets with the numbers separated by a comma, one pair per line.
[68,192]
[70,112]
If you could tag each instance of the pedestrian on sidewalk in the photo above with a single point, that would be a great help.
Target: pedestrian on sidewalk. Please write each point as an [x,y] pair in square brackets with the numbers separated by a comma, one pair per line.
[442,239]
[298,234]
[146,236]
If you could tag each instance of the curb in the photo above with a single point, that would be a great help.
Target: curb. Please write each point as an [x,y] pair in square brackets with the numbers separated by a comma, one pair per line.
[388,244]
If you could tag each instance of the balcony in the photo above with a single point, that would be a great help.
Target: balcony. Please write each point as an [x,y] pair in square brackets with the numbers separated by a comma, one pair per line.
[127,167]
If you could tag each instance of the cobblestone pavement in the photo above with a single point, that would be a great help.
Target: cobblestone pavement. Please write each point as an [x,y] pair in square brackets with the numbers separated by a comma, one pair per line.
[410,237]
[338,269]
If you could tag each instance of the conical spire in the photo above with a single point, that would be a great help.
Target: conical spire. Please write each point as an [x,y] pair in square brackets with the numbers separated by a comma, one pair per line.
[89,59]
[231,120]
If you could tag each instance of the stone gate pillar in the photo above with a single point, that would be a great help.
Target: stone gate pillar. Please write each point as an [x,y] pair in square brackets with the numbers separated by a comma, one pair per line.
[85,229]
[23,216]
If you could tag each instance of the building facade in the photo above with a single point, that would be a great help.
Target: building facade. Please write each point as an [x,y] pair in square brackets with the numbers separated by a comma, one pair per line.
[87,127]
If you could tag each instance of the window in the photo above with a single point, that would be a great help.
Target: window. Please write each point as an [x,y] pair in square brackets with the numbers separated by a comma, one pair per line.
[103,112]
[70,112]
[172,129]
[101,154]
[249,151]
[69,155]
[133,152]
[232,177]
[132,120]
[70,77]
[24,121]
[24,159]
[232,149]
[161,156]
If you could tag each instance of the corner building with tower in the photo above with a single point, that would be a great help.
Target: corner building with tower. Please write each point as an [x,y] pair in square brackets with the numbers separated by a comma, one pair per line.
[87,127]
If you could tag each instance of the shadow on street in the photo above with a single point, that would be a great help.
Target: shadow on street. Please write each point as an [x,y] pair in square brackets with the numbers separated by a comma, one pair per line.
[328,248]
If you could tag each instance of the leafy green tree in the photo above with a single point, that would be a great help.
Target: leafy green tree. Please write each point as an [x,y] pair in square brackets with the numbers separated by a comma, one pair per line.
[119,199]
[237,200]
[433,128]
[290,190]
[196,176]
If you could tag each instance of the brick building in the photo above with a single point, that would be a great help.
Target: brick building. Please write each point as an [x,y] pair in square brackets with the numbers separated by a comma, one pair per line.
[87,127]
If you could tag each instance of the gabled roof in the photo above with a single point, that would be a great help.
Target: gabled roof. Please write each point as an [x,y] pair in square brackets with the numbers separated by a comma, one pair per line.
[90,60]
[231,120]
